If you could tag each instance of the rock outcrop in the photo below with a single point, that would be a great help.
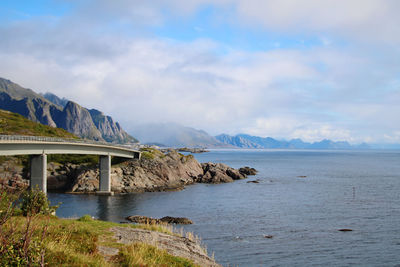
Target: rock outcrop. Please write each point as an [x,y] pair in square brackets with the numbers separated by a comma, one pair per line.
[215,173]
[163,172]
[174,245]
[171,171]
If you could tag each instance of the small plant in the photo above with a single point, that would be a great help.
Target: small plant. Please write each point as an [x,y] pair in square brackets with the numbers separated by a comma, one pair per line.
[18,245]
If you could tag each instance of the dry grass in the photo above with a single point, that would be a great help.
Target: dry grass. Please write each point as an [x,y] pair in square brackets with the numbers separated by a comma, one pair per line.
[69,242]
[139,254]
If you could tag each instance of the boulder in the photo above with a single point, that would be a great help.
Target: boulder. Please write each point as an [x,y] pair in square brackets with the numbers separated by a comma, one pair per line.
[254,181]
[176,220]
[248,171]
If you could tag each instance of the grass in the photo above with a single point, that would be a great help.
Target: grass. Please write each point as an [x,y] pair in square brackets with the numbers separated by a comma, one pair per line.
[69,242]
[151,153]
[139,254]
[15,124]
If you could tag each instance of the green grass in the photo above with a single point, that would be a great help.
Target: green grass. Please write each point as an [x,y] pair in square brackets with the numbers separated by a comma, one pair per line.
[151,153]
[15,124]
[69,242]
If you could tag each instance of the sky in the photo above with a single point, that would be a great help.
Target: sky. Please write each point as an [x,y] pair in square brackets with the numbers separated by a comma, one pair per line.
[306,69]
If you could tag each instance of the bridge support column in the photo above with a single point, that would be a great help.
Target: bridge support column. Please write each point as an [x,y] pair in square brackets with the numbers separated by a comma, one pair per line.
[39,172]
[105,175]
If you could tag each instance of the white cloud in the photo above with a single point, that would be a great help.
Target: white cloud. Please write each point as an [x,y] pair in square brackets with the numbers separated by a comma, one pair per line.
[334,91]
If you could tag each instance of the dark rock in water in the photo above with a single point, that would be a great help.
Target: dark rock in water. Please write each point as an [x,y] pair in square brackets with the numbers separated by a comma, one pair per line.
[268,236]
[345,230]
[192,150]
[143,219]
[254,182]
[163,220]
[176,220]
[248,171]
[302,176]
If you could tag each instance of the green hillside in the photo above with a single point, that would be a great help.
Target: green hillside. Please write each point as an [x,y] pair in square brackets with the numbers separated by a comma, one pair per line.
[15,124]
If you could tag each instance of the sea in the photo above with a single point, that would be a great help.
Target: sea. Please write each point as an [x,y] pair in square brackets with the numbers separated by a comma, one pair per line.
[291,216]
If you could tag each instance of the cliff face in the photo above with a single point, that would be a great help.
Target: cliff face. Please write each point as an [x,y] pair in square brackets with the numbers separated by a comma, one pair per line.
[111,131]
[77,120]
[56,112]
[172,171]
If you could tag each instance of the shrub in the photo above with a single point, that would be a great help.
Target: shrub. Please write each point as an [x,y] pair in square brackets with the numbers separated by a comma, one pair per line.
[85,218]
[35,202]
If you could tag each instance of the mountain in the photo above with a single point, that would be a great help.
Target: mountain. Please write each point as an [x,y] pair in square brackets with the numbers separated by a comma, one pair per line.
[55,112]
[248,141]
[62,102]
[174,135]
[15,124]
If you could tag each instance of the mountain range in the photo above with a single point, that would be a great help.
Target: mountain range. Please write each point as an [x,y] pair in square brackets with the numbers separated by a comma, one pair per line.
[248,141]
[51,110]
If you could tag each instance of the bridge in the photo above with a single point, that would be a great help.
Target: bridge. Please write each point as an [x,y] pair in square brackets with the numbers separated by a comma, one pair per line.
[39,147]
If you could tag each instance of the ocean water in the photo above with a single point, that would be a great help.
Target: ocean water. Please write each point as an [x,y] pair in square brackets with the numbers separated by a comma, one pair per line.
[359,190]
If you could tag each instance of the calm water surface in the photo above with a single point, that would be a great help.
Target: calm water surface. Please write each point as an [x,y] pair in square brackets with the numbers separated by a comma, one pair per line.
[356,190]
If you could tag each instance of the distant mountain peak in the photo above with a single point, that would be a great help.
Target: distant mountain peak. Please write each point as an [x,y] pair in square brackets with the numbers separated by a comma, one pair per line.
[62,102]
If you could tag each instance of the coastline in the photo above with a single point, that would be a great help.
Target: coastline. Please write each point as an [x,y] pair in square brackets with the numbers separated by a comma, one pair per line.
[155,172]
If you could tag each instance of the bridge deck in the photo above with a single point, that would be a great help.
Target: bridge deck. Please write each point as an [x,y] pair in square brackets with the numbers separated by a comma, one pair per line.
[32,145]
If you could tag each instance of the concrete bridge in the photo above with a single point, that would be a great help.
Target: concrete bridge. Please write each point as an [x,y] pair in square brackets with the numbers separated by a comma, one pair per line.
[40,147]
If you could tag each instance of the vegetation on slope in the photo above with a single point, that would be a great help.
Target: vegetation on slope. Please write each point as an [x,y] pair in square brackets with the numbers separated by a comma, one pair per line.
[15,124]
[39,239]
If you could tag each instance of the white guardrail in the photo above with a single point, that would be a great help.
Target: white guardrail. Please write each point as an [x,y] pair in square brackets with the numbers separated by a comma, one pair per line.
[11,138]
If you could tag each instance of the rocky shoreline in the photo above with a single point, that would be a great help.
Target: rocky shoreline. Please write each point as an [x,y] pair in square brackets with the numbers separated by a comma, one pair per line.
[156,171]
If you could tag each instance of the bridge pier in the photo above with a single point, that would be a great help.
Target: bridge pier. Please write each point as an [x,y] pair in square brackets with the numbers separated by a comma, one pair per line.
[39,172]
[105,176]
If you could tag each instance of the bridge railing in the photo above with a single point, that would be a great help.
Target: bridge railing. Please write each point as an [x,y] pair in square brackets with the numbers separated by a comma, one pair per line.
[56,139]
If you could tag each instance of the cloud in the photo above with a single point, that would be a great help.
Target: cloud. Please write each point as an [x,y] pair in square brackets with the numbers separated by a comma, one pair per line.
[365,20]
[329,90]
